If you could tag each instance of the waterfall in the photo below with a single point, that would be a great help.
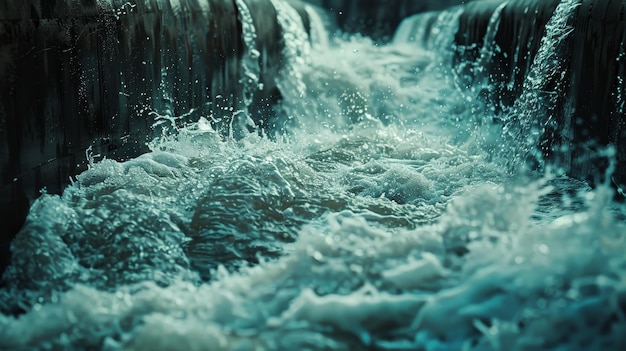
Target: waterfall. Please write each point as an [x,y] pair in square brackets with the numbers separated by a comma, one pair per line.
[434,32]
[415,28]
[472,77]
[489,46]
[297,46]
[535,112]
[250,61]
[251,71]
[319,27]
[296,51]
[440,36]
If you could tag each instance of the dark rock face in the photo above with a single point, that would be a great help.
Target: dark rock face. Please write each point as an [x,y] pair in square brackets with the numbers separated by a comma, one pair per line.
[78,76]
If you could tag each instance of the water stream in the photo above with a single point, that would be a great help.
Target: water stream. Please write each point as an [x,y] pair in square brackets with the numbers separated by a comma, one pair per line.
[380,210]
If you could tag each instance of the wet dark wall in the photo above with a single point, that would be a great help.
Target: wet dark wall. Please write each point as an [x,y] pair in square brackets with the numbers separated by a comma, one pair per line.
[92,77]
[598,88]
[589,98]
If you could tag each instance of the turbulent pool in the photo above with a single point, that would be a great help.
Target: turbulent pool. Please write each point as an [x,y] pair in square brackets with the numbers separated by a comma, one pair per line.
[380,207]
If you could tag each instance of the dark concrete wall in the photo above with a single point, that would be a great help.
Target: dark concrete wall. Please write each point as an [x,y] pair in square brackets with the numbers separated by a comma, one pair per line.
[93,74]
[597,72]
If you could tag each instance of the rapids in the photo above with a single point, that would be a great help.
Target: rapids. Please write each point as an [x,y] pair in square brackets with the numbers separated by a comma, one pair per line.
[381,206]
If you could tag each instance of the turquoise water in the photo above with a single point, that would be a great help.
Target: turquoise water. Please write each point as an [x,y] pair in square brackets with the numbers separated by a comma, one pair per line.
[381,208]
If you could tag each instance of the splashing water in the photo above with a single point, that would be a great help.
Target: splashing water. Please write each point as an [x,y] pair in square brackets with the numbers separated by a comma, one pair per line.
[380,221]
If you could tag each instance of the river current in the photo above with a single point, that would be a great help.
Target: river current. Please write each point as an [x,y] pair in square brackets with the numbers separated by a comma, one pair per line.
[383,206]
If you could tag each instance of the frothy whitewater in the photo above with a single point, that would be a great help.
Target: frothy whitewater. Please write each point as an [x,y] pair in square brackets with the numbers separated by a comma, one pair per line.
[377,209]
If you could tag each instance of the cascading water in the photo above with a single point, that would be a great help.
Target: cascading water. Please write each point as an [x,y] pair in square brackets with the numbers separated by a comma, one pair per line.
[533,114]
[416,29]
[251,70]
[319,32]
[479,78]
[296,51]
[378,219]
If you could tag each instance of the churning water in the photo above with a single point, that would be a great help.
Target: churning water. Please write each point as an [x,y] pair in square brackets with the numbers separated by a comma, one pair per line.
[380,208]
